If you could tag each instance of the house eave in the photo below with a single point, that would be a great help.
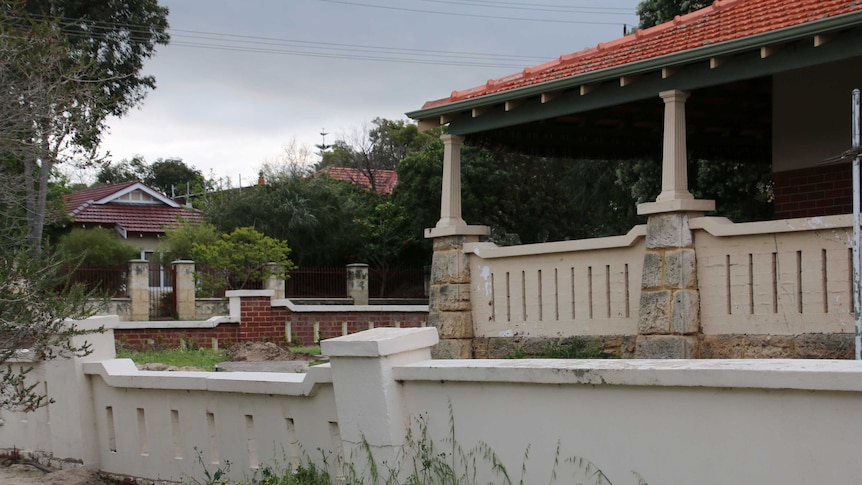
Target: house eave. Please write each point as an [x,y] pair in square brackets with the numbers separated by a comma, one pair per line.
[688,56]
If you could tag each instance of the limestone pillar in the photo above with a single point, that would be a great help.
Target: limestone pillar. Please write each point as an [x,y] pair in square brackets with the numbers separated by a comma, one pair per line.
[449,306]
[274,281]
[674,164]
[357,283]
[139,290]
[450,200]
[669,312]
[184,289]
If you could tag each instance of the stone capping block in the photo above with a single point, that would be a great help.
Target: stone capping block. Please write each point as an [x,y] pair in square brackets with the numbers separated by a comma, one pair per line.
[797,374]
[486,250]
[294,308]
[211,322]
[123,373]
[721,226]
[380,342]
[457,230]
[676,205]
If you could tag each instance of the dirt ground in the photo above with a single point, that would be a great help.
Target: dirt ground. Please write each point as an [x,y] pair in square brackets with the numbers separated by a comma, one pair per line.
[29,475]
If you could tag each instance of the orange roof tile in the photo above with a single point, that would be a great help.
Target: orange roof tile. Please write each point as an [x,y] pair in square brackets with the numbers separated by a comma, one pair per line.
[724,20]
[385,180]
[82,207]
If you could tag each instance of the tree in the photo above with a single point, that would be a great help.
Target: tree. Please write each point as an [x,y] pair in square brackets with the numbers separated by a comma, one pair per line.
[36,302]
[654,12]
[172,175]
[123,171]
[379,147]
[244,255]
[179,242]
[65,67]
[117,36]
[314,214]
[95,248]
[45,106]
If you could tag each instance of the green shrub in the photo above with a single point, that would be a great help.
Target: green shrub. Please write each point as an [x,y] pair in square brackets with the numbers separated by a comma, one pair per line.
[95,248]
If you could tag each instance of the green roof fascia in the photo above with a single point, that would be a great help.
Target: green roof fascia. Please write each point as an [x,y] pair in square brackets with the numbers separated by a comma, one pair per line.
[639,67]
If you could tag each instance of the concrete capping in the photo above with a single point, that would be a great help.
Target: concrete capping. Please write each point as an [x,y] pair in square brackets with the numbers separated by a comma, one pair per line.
[380,342]
[457,230]
[211,322]
[123,373]
[793,374]
[721,226]
[486,250]
[249,293]
[676,205]
[293,307]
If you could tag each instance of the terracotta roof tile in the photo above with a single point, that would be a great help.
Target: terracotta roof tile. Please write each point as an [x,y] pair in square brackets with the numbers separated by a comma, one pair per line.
[723,21]
[82,208]
[136,218]
[76,199]
[385,180]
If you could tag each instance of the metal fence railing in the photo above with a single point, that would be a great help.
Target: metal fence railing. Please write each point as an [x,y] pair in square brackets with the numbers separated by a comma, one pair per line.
[317,283]
[397,283]
[110,282]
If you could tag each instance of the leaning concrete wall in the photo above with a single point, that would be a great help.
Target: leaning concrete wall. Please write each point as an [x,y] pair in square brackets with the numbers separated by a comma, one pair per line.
[543,421]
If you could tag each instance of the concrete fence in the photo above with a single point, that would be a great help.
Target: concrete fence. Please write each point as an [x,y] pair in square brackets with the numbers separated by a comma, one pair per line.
[663,421]
[681,287]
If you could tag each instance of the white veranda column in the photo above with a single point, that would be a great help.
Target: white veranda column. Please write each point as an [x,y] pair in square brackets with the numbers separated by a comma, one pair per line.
[450,200]
[674,170]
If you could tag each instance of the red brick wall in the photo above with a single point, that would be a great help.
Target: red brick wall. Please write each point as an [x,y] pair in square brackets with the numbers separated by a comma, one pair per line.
[169,338]
[813,192]
[259,321]
[331,324]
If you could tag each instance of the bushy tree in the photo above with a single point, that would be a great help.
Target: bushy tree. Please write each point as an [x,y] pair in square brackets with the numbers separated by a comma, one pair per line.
[315,215]
[129,170]
[64,68]
[654,12]
[179,242]
[244,255]
[95,248]
[380,146]
[172,175]
[35,303]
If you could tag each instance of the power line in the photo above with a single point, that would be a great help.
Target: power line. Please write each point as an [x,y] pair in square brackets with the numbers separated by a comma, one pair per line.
[464,14]
[269,45]
[539,7]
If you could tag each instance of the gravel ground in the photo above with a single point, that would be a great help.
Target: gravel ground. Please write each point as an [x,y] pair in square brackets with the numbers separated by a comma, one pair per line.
[28,475]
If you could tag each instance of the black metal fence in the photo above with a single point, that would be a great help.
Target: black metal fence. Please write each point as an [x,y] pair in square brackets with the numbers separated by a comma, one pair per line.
[163,299]
[317,283]
[110,282]
[332,283]
[397,283]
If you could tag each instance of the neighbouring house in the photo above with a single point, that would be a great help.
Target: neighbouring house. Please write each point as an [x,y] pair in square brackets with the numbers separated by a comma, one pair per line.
[139,213]
[382,182]
[743,80]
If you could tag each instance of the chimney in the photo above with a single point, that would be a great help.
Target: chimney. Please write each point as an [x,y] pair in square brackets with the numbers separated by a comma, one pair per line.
[260,178]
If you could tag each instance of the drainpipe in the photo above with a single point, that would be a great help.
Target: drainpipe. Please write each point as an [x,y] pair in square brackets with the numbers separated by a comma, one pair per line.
[857,279]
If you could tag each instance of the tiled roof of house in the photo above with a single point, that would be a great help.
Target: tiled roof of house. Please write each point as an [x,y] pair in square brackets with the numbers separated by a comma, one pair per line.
[77,199]
[723,21]
[385,180]
[82,206]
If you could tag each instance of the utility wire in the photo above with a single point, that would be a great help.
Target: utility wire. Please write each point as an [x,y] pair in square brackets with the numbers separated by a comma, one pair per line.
[464,14]
[268,45]
[538,7]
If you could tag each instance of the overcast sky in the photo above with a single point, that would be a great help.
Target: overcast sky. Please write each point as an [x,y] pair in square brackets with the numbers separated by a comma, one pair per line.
[242,78]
